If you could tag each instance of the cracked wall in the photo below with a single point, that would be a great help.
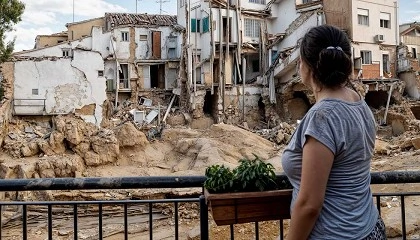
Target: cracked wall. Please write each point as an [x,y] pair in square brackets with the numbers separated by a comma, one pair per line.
[67,85]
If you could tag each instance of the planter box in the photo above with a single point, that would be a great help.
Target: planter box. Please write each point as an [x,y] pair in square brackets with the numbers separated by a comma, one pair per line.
[244,207]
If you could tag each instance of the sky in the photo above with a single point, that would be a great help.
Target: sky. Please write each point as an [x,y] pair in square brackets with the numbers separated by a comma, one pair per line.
[42,17]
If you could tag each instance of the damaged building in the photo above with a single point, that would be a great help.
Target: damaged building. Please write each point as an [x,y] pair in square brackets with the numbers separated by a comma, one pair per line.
[229,61]
[122,59]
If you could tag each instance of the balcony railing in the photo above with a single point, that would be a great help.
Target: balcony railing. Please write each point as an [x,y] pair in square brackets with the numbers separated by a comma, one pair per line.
[125,210]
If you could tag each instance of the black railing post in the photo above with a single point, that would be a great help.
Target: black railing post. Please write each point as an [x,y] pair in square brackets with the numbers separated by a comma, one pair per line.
[204,219]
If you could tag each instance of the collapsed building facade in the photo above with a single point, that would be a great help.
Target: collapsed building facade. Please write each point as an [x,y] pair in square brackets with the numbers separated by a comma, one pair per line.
[123,58]
[235,61]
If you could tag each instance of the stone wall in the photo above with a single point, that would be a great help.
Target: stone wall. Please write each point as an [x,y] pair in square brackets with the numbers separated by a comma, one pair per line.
[6,73]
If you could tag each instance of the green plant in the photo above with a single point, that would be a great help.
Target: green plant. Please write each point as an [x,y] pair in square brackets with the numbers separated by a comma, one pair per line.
[250,175]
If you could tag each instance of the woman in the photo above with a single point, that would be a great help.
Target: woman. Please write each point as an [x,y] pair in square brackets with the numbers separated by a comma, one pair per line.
[328,158]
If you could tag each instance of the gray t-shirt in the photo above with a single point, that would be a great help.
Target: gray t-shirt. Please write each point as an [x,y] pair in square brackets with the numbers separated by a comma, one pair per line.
[348,130]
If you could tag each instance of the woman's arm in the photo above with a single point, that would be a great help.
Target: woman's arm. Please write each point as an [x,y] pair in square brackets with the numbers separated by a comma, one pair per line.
[317,161]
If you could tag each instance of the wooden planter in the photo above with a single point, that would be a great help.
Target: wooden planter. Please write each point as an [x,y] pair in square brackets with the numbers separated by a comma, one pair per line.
[244,207]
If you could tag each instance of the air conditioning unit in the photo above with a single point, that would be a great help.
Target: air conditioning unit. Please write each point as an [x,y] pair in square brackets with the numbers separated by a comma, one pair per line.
[379,38]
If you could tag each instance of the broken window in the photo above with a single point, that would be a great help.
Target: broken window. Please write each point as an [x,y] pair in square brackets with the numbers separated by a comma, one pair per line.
[123,75]
[366,57]
[124,36]
[143,37]
[35,91]
[413,50]
[252,27]
[257,1]
[59,41]
[100,73]
[385,19]
[66,52]
[363,16]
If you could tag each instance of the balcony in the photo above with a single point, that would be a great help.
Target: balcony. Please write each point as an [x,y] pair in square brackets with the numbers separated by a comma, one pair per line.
[138,219]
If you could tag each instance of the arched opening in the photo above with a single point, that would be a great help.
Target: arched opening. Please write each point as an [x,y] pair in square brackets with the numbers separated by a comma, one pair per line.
[298,106]
[377,99]
[210,104]
[261,109]
[416,111]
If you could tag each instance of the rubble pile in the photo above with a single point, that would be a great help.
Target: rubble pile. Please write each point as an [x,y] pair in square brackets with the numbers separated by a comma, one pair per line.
[280,134]
[96,146]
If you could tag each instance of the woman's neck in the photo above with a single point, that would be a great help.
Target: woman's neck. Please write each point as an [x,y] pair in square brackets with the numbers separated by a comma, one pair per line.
[342,93]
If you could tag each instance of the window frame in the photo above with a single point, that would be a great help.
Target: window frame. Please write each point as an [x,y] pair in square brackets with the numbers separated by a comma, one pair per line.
[125,36]
[385,22]
[363,19]
[366,56]
[262,2]
[252,27]
[67,52]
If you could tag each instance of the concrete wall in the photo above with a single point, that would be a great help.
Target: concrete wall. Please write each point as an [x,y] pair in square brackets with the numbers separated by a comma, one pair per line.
[362,33]
[339,13]
[83,29]
[65,84]
[284,13]
[143,50]
[45,41]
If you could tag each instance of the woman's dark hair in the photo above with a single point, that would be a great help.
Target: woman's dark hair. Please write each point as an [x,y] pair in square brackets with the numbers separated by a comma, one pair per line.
[327,51]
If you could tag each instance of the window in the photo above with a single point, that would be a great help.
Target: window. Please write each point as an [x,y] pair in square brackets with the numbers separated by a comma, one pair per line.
[59,41]
[143,37]
[385,20]
[366,57]
[35,91]
[413,50]
[66,52]
[252,27]
[274,54]
[363,16]
[123,76]
[385,62]
[197,69]
[257,1]
[195,25]
[100,73]
[172,47]
[124,36]
[206,24]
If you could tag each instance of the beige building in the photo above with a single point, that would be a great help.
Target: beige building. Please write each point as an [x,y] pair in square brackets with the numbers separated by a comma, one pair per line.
[75,30]
[42,41]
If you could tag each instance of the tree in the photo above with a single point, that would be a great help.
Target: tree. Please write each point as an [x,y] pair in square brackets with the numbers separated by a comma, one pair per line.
[10,13]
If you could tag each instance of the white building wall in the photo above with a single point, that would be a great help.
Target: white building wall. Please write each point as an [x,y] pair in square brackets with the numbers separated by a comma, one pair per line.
[284,14]
[233,24]
[65,84]
[122,50]
[362,33]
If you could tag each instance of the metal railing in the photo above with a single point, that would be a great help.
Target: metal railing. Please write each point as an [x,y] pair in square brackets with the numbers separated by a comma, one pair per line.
[26,106]
[76,208]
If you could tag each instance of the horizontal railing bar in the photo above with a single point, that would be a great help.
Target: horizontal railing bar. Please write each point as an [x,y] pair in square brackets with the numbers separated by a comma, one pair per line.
[396,194]
[164,182]
[103,202]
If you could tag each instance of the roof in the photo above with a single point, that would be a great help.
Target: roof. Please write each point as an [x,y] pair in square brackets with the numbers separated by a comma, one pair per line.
[84,21]
[118,19]
[60,34]
[413,26]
